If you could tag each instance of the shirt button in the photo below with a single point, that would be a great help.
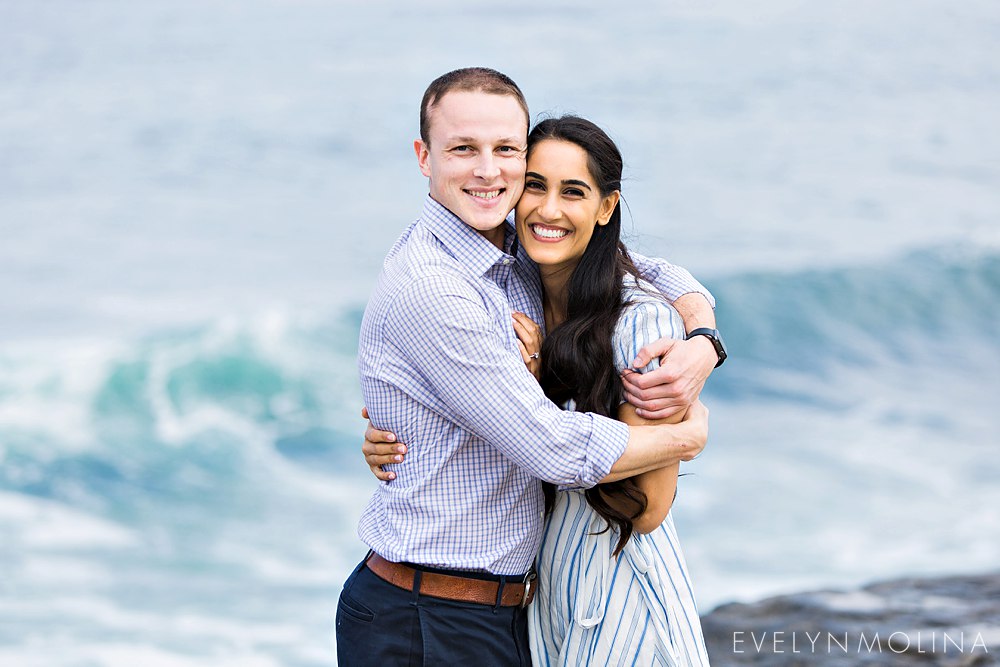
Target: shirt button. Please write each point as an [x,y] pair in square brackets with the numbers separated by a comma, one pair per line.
[506,262]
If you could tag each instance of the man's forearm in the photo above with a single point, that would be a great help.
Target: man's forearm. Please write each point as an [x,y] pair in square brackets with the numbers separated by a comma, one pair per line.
[695,310]
[652,447]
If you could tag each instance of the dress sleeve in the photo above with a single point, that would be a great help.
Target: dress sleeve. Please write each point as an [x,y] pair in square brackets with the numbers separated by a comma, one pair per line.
[641,323]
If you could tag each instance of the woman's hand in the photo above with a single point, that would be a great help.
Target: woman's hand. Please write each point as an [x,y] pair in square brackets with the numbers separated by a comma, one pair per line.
[529,340]
[381,448]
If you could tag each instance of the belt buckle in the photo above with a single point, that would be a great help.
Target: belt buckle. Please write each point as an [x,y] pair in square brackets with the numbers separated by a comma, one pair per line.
[529,588]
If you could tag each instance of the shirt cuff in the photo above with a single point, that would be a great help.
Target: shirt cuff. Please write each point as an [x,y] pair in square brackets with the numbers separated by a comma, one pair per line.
[608,439]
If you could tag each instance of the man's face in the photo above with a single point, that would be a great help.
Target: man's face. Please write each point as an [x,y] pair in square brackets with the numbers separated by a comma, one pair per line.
[475,157]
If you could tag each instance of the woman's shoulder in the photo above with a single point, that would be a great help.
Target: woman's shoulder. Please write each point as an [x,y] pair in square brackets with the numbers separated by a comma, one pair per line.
[645,318]
[641,297]
[635,288]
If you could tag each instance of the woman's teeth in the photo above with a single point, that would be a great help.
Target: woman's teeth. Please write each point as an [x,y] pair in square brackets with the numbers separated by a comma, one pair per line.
[547,233]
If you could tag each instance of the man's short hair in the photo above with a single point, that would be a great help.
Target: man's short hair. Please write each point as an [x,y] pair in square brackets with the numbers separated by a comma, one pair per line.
[477,79]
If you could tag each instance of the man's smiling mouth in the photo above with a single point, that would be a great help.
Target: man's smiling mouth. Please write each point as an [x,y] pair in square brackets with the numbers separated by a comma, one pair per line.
[492,194]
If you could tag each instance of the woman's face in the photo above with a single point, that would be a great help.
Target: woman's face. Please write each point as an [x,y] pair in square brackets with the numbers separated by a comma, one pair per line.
[560,205]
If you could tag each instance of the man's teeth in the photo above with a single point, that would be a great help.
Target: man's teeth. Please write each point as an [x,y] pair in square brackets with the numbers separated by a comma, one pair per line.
[549,233]
[485,195]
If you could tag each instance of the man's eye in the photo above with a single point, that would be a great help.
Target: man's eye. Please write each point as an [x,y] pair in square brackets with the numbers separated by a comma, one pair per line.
[462,149]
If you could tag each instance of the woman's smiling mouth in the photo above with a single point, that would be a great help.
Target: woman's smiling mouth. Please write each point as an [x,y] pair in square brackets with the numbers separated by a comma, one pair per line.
[544,232]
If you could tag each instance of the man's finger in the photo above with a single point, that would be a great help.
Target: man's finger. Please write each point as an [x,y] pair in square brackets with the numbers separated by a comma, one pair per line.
[657,391]
[364,412]
[653,415]
[664,375]
[382,474]
[655,408]
[657,348]
[375,435]
[374,460]
[370,449]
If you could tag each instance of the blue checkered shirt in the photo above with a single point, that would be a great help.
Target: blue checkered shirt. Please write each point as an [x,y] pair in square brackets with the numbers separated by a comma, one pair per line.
[440,367]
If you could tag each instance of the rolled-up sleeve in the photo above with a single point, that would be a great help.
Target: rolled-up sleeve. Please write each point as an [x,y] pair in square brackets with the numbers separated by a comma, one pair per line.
[466,370]
[671,280]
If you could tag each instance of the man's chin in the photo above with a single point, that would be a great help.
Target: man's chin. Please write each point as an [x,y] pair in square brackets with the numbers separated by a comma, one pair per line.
[485,226]
[486,223]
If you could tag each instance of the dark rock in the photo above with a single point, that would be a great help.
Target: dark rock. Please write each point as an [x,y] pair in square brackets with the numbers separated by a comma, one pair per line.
[947,622]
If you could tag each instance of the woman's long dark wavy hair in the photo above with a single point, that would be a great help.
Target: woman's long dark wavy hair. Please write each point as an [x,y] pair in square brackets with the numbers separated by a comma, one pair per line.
[577,358]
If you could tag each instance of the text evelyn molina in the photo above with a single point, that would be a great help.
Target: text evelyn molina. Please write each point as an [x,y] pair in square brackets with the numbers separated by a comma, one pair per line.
[848,642]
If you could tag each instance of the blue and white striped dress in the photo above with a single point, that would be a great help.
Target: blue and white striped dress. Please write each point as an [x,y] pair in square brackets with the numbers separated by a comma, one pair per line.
[638,608]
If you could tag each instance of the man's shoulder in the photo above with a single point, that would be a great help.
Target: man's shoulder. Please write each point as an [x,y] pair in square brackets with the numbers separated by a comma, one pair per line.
[418,251]
[419,270]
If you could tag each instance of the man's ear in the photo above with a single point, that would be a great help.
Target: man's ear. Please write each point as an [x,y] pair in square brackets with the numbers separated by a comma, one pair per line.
[423,157]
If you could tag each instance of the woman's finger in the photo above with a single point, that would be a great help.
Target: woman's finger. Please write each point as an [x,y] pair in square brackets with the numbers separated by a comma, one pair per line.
[522,331]
[531,340]
[525,356]
[529,325]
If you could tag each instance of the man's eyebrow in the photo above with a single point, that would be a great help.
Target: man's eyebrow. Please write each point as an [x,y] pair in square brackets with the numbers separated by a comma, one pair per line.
[475,140]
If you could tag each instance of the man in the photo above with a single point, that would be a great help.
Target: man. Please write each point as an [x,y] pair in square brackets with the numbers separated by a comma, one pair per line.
[453,539]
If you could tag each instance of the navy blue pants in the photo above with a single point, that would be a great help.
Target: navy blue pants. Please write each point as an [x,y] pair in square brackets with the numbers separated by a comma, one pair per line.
[381,625]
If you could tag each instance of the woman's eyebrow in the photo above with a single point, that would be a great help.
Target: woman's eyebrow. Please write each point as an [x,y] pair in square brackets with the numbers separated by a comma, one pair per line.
[573,181]
[570,181]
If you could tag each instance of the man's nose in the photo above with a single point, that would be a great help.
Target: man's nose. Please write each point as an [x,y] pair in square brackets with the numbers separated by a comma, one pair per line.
[487,167]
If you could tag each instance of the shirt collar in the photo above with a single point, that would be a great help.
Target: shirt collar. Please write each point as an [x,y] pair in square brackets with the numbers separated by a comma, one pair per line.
[465,243]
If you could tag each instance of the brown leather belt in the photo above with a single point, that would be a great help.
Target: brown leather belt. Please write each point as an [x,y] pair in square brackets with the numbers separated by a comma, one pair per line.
[451,587]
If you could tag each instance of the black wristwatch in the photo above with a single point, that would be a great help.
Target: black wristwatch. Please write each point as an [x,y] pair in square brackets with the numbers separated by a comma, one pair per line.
[716,338]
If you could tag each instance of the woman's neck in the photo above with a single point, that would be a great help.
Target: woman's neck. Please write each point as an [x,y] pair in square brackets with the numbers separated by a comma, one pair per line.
[555,294]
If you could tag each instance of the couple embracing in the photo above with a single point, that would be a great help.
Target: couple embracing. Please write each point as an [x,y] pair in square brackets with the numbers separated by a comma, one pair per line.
[521,366]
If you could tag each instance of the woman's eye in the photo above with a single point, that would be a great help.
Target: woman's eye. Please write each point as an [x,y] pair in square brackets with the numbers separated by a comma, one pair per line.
[533,185]
[573,192]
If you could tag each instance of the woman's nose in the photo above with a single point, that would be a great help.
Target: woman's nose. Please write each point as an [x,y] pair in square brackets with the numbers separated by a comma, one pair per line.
[549,208]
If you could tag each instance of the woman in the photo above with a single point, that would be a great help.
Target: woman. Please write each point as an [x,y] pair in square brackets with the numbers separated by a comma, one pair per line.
[612,583]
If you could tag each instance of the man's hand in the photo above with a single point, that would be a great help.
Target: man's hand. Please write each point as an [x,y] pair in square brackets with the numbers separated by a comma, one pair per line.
[381,448]
[651,447]
[677,383]
[696,420]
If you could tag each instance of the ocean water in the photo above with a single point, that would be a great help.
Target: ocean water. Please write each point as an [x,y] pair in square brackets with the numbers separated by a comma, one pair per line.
[195,199]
